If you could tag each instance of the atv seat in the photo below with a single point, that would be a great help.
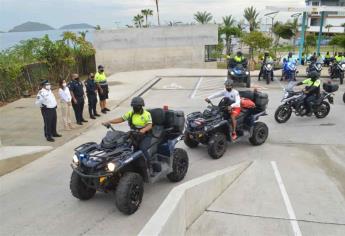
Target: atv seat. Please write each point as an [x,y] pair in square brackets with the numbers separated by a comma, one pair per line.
[244,113]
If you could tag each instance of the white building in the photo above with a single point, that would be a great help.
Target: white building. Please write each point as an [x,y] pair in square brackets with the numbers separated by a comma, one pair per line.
[336,19]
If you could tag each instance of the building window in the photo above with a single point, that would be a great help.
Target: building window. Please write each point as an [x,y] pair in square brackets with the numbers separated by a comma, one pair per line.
[315,4]
[314,22]
[210,53]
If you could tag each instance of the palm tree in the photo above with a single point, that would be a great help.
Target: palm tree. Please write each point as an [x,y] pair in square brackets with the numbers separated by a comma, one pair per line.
[328,27]
[157,3]
[343,25]
[228,29]
[138,20]
[174,23]
[251,15]
[203,17]
[83,33]
[97,27]
[146,13]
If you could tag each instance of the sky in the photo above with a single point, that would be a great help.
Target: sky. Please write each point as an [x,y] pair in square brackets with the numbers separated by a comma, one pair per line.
[117,13]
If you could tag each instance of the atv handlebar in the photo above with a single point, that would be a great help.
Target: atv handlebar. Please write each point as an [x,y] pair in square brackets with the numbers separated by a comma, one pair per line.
[108,126]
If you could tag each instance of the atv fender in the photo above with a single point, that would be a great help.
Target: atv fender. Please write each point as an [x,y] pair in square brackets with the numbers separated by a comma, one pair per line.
[223,127]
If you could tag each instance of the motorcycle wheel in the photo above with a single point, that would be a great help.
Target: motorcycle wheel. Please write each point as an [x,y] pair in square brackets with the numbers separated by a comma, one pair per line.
[248,82]
[342,78]
[268,78]
[283,114]
[323,110]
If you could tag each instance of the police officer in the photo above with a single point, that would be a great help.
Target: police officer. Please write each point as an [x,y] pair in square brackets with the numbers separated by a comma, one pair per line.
[91,92]
[103,89]
[239,59]
[312,90]
[285,61]
[47,102]
[138,119]
[266,58]
[327,59]
[77,93]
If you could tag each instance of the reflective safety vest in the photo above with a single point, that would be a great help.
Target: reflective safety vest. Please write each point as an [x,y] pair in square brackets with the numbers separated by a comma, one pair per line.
[327,56]
[238,59]
[138,120]
[311,83]
[338,58]
[100,78]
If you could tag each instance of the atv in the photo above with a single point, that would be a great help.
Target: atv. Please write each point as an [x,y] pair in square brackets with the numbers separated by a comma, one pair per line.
[117,165]
[213,126]
[239,74]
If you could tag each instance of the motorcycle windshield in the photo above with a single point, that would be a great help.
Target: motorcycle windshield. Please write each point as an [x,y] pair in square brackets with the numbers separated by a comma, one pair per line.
[291,85]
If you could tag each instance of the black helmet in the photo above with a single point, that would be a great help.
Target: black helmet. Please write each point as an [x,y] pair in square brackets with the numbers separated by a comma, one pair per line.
[137,101]
[267,54]
[228,82]
[290,54]
[100,67]
[239,53]
[314,75]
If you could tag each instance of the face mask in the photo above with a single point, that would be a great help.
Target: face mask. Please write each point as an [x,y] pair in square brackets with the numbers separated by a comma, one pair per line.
[64,84]
[228,89]
[101,71]
[48,87]
[137,109]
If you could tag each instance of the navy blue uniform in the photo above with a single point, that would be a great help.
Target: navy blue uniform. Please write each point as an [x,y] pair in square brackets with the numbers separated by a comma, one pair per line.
[76,87]
[91,88]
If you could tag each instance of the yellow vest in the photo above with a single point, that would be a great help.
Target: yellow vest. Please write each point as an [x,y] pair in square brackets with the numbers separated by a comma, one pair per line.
[100,78]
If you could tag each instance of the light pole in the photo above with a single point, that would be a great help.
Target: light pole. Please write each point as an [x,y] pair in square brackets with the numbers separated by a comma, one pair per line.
[272,17]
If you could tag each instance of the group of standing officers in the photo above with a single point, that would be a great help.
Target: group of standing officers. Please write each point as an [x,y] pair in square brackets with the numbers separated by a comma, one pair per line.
[72,95]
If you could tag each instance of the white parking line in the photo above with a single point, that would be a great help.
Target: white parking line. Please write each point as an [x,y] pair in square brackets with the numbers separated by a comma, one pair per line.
[196,88]
[291,212]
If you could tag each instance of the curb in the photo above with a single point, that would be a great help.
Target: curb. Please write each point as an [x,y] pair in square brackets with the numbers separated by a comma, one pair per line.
[186,202]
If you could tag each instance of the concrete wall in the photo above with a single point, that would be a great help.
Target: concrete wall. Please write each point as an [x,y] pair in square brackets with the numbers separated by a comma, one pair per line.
[186,202]
[154,48]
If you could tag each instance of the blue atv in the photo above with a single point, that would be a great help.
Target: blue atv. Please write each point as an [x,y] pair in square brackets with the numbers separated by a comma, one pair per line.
[239,74]
[117,165]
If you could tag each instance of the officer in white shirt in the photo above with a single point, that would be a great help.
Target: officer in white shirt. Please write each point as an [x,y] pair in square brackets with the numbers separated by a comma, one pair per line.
[235,101]
[47,102]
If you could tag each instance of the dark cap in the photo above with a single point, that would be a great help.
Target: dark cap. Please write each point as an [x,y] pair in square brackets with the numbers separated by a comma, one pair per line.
[44,82]
[100,67]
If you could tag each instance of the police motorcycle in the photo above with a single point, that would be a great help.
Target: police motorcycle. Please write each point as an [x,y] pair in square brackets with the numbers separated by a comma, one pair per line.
[294,102]
[337,70]
[314,66]
[267,71]
[212,127]
[117,165]
[290,70]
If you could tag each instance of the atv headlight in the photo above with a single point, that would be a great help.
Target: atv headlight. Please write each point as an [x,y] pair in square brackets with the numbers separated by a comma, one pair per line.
[247,73]
[75,159]
[111,166]
[232,73]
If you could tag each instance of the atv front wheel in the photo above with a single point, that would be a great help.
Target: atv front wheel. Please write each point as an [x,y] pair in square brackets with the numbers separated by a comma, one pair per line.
[180,165]
[189,141]
[248,82]
[79,189]
[323,110]
[217,145]
[129,193]
[260,134]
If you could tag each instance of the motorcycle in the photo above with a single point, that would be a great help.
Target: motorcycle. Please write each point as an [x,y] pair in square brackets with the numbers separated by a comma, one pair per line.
[294,102]
[239,74]
[268,71]
[314,66]
[290,70]
[337,70]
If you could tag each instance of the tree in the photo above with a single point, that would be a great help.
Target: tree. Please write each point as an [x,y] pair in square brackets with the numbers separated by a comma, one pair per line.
[282,31]
[294,27]
[343,25]
[251,15]
[83,34]
[146,13]
[157,3]
[228,29]
[98,27]
[310,40]
[338,40]
[138,20]
[328,27]
[203,17]
[256,41]
[174,23]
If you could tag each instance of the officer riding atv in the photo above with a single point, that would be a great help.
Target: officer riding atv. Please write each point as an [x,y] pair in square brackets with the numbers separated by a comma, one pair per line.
[124,160]
[234,117]
[237,69]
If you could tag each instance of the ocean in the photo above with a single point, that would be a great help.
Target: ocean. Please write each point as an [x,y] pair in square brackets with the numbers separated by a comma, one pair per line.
[8,40]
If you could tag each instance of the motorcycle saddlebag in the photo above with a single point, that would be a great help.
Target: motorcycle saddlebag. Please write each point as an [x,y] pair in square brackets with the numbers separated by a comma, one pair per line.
[261,100]
[330,88]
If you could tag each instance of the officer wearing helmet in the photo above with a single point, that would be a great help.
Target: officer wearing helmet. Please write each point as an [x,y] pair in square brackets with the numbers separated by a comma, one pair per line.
[235,103]
[239,59]
[266,58]
[312,90]
[138,119]
[285,61]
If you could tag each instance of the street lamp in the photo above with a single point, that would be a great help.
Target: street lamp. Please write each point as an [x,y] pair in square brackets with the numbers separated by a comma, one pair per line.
[272,17]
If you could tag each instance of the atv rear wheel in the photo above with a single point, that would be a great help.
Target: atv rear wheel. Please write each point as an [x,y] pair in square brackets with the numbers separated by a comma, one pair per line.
[189,141]
[217,145]
[180,165]
[283,114]
[260,134]
[129,193]
[79,189]
[323,110]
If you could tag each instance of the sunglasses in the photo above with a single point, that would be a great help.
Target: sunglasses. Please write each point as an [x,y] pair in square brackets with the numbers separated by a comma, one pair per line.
[92,77]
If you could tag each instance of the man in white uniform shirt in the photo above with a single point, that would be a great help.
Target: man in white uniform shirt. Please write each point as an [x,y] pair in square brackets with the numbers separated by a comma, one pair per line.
[234,108]
[46,101]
